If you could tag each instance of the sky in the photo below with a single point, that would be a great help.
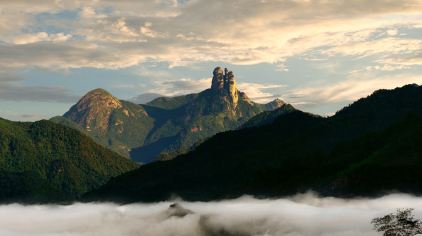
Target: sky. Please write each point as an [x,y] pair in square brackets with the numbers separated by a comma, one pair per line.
[318,55]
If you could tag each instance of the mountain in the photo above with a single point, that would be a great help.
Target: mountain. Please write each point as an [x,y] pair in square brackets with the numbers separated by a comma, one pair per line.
[166,126]
[43,162]
[119,125]
[371,147]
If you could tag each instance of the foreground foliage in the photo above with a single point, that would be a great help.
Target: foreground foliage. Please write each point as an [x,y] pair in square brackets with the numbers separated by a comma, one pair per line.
[43,161]
[401,223]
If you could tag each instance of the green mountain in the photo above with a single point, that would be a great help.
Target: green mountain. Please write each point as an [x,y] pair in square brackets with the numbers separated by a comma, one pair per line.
[116,124]
[43,162]
[371,147]
[166,126]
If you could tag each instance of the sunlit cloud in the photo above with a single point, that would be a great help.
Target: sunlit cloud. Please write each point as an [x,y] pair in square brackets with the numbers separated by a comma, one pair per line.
[348,90]
[378,38]
[261,93]
[238,32]
[181,86]
[41,37]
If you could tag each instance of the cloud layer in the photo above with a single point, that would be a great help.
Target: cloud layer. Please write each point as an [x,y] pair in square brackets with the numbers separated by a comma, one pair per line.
[302,215]
[109,34]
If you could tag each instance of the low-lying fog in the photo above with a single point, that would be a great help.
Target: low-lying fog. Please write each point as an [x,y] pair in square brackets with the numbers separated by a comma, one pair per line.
[296,216]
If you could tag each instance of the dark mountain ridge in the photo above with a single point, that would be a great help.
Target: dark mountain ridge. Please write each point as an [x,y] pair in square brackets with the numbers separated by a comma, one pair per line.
[368,148]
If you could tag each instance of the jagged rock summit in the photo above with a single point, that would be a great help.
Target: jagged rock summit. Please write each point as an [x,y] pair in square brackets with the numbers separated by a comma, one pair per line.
[224,84]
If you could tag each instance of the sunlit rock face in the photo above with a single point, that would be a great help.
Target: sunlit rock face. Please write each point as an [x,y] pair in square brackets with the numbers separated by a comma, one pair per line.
[231,88]
[224,84]
[94,109]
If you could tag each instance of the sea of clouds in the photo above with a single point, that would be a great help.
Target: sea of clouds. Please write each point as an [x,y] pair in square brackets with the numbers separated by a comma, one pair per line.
[300,215]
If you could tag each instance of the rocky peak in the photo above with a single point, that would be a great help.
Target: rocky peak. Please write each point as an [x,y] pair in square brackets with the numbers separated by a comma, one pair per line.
[277,103]
[224,84]
[99,97]
[93,110]
[217,79]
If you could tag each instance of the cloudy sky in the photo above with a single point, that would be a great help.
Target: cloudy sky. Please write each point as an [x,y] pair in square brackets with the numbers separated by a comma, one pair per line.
[318,55]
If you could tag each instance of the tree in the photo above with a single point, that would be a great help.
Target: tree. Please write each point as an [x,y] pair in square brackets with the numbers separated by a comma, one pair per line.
[401,223]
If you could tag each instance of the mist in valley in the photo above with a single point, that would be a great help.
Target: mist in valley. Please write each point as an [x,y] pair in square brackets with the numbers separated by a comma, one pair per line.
[300,215]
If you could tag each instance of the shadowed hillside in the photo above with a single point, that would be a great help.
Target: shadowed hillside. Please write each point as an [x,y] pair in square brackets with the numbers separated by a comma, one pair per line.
[368,148]
[43,161]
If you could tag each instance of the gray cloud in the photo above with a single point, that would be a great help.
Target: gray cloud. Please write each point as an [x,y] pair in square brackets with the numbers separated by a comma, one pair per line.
[12,115]
[36,93]
[145,98]
[302,215]
[12,90]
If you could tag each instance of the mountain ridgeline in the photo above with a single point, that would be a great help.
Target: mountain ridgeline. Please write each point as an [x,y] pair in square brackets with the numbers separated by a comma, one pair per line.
[372,147]
[46,162]
[166,126]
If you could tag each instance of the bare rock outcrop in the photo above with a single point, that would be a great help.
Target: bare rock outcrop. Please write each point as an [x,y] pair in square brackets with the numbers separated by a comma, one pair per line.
[224,84]
[94,109]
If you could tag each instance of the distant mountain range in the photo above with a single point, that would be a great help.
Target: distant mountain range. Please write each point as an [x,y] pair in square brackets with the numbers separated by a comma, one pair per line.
[145,98]
[46,162]
[372,147]
[166,126]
